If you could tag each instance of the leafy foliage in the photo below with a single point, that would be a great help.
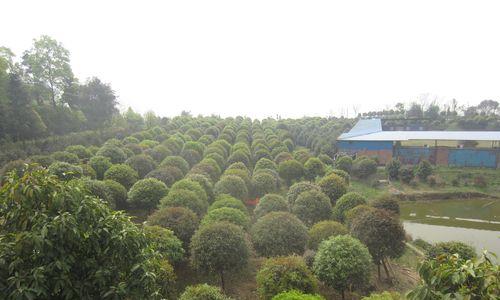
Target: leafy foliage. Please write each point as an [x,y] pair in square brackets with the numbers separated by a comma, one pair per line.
[270,203]
[333,186]
[182,221]
[312,207]
[324,230]
[122,174]
[464,251]
[203,292]
[146,193]
[347,202]
[290,170]
[231,185]
[296,295]
[228,214]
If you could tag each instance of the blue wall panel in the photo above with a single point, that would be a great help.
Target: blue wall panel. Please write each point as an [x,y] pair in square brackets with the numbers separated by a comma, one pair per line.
[472,158]
[413,155]
[363,145]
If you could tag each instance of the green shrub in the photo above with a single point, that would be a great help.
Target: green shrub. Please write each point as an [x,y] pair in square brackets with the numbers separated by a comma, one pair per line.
[279,233]
[142,164]
[100,164]
[324,230]
[228,214]
[313,168]
[327,160]
[243,174]
[392,169]
[164,241]
[221,162]
[424,170]
[208,169]
[364,167]
[176,161]
[203,292]
[296,295]
[196,146]
[302,155]
[290,170]
[99,190]
[168,175]
[131,149]
[158,153]
[87,171]
[182,221]
[122,174]
[342,262]
[384,296]
[263,183]
[295,190]
[225,200]
[270,203]
[239,156]
[343,174]
[219,248]
[282,157]
[185,198]
[191,156]
[265,163]
[312,207]
[390,204]
[347,202]
[406,174]
[463,250]
[117,193]
[231,185]
[64,156]
[16,166]
[114,153]
[42,160]
[480,181]
[356,212]
[282,274]
[344,163]
[146,193]
[191,185]
[80,151]
[333,186]
[65,171]
[205,183]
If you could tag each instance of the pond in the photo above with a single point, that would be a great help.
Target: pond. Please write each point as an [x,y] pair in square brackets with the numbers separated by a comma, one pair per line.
[473,221]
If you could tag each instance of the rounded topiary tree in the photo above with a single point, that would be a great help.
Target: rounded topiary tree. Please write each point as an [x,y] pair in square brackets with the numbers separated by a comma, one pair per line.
[424,170]
[203,292]
[333,186]
[205,183]
[290,170]
[219,248]
[390,204]
[98,189]
[392,169]
[146,193]
[231,185]
[344,163]
[282,274]
[279,233]
[65,171]
[343,174]
[265,163]
[64,156]
[142,164]
[100,164]
[313,168]
[364,167]
[382,233]
[80,151]
[228,214]
[263,183]
[225,200]
[168,175]
[42,160]
[182,221]
[312,207]
[342,262]
[346,202]
[355,212]
[185,198]
[114,153]
[176,161]
[324,230]
[164,241]
[117,193]
[463,250]
[270,203]
[122,174]
[295,190]
[191,185]
[406,174]
[327,160]
[296,295]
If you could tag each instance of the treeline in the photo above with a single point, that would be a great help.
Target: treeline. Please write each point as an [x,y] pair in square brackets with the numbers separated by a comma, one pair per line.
[40,96]
[452,116]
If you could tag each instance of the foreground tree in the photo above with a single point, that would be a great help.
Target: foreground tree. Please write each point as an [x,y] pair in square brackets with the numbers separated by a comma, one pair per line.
[203,292]
[57,242]
[342,262]
[218,248]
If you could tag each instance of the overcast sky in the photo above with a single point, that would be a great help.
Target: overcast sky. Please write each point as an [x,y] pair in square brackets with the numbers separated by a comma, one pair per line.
[263,58]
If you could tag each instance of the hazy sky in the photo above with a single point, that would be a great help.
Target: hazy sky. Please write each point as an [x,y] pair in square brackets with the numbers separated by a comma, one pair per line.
[262,58]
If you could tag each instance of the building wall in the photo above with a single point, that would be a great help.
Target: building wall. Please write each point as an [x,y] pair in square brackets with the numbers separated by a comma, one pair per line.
[380,150]
[413,155]
[473,157]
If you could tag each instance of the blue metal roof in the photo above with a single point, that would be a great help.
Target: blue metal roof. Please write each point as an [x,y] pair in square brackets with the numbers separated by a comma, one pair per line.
[362,127]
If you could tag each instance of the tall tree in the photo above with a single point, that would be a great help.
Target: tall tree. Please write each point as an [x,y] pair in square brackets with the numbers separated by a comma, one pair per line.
[97,101]
[48,68]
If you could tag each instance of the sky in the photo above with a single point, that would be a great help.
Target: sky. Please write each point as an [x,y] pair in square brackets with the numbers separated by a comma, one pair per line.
[268,58]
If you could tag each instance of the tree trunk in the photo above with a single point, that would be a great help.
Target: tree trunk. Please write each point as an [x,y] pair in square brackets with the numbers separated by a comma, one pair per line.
[378,270]
[222,281]
[343,295]
[386,270]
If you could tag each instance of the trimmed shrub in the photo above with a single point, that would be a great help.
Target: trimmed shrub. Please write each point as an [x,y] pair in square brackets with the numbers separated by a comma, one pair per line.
[392,169]
[344,163]
[196,146]
[131,149]
[390,204]
[295,190]
[122,174]
[279,233]
[270,203]
[168,175]
[205,183]
[406,174]
[343,174]
[203,292]
[65,157]
[355,212]
[207,169]
[79,150]
[142,164]
[191,156]
[228,214]
[221,162]
[117,193]
[239,156]
[146,193]
[364,167]
[87,171]
[42,160]
[114,153]
[313,168]
[191,185]
[312,207]
[282,156]
[225,200]
[243,174]
[164,241]
[98,189]
[296,295]
[176,161]
[185,198]
[239,166]
[342,262]
[265,163]
[424,170]
[333,186]
[65,171]
[327,160]
[463,250]
[218,248]
[324,230]
[302,155]
[347,202]
[231,185]
[291,170]
[263,183]
[100,164]
[282,274]
[182,221]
